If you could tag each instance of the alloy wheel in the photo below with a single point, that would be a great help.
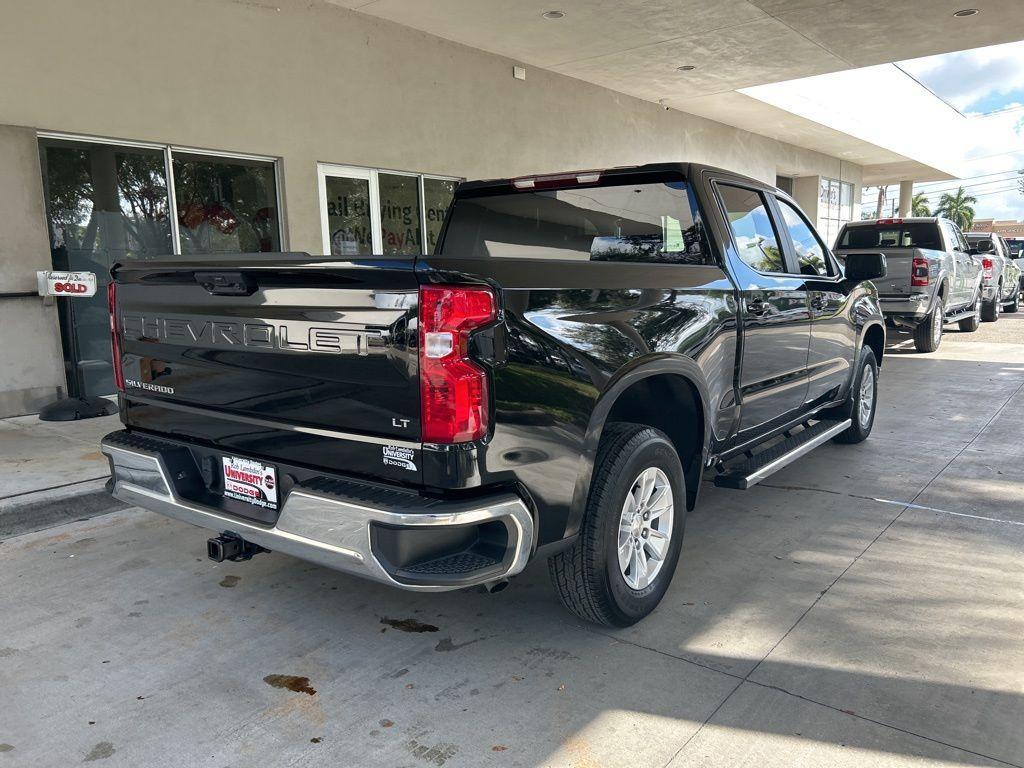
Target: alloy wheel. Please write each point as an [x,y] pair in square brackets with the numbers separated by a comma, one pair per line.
[866,404]
[645,528]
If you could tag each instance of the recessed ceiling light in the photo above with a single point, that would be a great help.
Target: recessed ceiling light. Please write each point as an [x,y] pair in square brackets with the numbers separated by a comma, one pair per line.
[686,68]
[966,12]
[551,15]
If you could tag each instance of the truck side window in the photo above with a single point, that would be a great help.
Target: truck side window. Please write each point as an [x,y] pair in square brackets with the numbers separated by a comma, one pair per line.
[810,252]
[752,229]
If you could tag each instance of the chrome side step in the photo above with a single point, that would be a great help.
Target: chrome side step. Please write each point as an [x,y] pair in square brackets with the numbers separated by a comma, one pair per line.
[760,465]
[961,315]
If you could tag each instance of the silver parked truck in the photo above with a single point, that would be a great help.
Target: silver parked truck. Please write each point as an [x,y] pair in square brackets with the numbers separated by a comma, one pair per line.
[1000,283]
[932,277]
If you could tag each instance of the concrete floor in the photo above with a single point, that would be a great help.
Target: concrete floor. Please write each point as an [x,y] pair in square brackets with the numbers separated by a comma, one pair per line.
[863,607]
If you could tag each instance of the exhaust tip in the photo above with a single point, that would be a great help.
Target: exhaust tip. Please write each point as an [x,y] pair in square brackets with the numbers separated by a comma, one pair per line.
[494,587]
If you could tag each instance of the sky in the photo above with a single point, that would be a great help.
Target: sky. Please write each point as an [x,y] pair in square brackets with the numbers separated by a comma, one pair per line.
[986,85]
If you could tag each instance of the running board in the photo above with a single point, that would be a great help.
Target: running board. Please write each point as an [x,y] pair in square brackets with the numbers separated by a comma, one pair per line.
[767,462]
[961,315]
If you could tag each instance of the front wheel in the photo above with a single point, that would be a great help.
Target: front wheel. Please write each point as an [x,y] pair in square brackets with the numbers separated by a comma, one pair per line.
[1014,305]
[860,408]
[928,334]
[624,559]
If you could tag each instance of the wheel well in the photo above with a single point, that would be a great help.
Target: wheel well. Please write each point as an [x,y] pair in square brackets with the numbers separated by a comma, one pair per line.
[648,402]
[874,337]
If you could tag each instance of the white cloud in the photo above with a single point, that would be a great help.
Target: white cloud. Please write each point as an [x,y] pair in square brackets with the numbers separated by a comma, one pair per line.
[978,81]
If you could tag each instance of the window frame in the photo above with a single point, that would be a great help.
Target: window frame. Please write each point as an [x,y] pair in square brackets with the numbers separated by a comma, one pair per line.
[372,176]
[168,152]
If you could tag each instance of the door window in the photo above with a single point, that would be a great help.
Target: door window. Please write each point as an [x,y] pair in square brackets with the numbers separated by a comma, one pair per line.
[752,228]
[810,253]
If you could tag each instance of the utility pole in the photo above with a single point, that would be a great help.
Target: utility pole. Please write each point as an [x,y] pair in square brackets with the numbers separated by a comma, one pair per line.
[881,201]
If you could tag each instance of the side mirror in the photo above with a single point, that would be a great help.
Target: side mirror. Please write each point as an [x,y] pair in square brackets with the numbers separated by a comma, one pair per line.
[864,266]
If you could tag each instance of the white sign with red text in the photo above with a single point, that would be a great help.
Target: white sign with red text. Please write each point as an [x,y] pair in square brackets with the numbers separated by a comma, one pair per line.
[250,481]
[71,284]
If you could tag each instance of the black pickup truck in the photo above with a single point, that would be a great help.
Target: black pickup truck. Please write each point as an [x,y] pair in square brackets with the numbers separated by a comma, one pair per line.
[553,382]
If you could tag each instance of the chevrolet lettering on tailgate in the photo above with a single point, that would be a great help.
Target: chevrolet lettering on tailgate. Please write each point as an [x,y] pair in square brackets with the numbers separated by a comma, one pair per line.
[276,336]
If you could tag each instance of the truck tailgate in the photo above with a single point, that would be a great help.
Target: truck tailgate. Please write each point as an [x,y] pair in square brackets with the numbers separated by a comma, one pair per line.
[898,263]
[309,359]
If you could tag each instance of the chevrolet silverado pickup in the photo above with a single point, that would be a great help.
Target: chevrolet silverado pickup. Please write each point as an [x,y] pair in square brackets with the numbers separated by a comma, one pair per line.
[553,382]
[1000,275]
[932,279]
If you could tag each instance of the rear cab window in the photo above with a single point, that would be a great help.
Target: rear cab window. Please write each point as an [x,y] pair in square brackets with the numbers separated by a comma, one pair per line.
[621,220]
[923,235]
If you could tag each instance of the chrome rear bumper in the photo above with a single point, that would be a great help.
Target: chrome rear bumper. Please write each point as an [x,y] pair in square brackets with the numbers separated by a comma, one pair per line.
[324,528]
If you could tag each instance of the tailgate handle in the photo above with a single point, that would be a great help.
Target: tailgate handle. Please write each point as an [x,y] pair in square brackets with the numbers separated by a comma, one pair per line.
[226,283]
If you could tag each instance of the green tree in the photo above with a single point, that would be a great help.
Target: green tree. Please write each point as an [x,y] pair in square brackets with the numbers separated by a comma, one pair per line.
[919,205]
[958,208]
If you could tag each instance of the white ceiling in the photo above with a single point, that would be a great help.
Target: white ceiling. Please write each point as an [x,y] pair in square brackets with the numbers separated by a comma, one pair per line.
[635,46]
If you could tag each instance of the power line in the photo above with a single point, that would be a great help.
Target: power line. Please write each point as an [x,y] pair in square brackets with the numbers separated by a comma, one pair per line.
[956,187]
[968,178]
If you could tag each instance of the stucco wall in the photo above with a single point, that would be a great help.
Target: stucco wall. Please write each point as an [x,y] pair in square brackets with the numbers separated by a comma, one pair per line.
[31,366]
[304,81]
[313,82]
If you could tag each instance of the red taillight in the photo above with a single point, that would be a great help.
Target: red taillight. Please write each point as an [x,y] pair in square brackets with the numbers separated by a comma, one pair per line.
[919,272]
[986,268]
[889,221]
[453,388]
[115,343]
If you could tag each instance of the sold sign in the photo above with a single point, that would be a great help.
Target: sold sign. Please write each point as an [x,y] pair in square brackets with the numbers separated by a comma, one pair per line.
[66,283]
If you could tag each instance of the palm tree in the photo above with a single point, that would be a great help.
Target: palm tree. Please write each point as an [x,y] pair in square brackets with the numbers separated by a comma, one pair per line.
[919,205]
[958,208]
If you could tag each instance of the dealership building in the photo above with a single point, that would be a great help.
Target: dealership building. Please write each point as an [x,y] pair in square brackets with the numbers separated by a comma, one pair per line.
[152,128]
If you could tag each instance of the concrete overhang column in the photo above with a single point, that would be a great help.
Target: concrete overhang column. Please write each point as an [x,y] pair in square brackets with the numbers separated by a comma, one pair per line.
[906,198]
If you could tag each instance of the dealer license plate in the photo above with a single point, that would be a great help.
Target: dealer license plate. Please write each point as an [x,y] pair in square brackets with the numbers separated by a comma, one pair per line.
[250,481]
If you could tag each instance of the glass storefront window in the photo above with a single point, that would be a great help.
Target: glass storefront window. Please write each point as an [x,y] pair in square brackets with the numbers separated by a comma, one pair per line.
[366,211]
[437,197]
[104,204]
[399,213]
[348,216]
[835,207]
[225,204]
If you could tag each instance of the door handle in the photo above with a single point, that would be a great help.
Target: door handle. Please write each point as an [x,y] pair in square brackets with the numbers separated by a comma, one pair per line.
[758,307]
[817,301]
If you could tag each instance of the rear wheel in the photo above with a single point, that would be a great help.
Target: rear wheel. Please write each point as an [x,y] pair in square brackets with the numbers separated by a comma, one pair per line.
[990,309]
[970,325]
[928,334]
[860,408]
[1014,304]
[624,559]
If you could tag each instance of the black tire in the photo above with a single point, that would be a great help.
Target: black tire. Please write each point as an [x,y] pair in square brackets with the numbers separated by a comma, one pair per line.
[587,576]
[1014,304]
[855,406]
[926,338]
[990,309]
[970,325]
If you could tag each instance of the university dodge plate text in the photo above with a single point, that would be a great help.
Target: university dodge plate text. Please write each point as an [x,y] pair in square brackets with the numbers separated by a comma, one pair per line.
[250,481]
